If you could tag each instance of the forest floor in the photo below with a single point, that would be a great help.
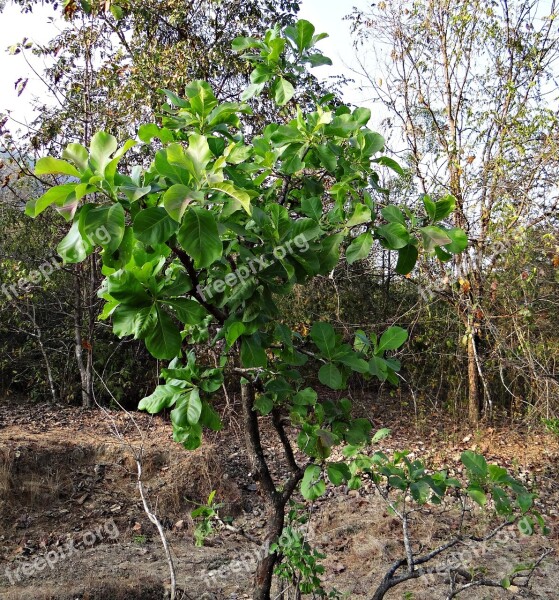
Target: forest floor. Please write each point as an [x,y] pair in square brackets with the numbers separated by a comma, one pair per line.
[72,524]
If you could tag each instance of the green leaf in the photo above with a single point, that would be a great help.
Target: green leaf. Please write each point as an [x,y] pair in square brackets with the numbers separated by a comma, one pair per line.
[283,91]
[459,240]
[188,311]
[444,207]
[55,195]
[407,259]
[430,207]
[199,236]
[420,491]
[354,362]
[317,60]
[234,331]
[198,154]
[74,248]
[105,226]
[239,195]
[244,43]
[381,434]
[252,353]
[154,226]
[164,342]
[163,397]
[477,495]
[324,336]
[338,473]
[312,207]
[395,234]
[103,145]
[330,375]
[475,463]
[312,485]
[434,236]
[132,320]
[52,166]
[359,247]
[261,74]
[393,215]
[392,339]
[188,409]
[77,154]
[327,158]
[177,198]
[362,214]
[391,164]
[264,404]
[306,397]
[301,34]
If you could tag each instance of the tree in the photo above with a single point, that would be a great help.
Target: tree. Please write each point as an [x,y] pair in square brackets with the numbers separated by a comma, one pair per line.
[468,85]
[105,69]
[197,246]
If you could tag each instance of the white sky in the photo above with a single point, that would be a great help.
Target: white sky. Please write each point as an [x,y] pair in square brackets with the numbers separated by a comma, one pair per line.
[41,25]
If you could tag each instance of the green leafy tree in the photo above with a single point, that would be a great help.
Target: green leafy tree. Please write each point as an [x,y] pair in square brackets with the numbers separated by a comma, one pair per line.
[198,246]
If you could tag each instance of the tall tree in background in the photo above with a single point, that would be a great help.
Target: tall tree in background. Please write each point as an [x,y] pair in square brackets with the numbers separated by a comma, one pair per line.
[472,86]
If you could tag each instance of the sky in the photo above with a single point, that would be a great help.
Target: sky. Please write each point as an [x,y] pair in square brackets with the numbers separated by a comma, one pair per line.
[41,25]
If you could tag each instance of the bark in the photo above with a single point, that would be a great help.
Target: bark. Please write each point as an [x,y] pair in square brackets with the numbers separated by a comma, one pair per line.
[474,390]
[275,502]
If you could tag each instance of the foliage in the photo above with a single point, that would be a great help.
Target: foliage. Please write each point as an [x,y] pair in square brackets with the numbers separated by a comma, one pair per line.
[197,246]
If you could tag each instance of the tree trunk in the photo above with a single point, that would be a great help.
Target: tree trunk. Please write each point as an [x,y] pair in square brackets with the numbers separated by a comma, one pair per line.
[84,367]
[275,503]
[474,391]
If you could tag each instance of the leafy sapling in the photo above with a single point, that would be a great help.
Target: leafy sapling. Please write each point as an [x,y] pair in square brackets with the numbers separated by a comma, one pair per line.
[216,201]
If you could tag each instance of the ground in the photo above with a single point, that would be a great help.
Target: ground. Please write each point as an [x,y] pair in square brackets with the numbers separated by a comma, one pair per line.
[72,523]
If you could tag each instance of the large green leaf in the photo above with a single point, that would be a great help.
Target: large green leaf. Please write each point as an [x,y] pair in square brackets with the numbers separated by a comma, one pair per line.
[312,485]
[392,339]
[74,248]
[359,247]
[330,375]
[239,195]
[475,463]
[434,236]
[361,214]
[154,226]
[444,207]
[395,234]
[177,198]
[163,397]
[132,320]
[200,238]
[252,353]
[283,91]
[164,342]
[324,336]
[407,259]
[459,240]
[187,310]
[52,166]
[104,226]
[338,473]
[301,34]
[103,145]
[55,195]
[188,409]
[198,155]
